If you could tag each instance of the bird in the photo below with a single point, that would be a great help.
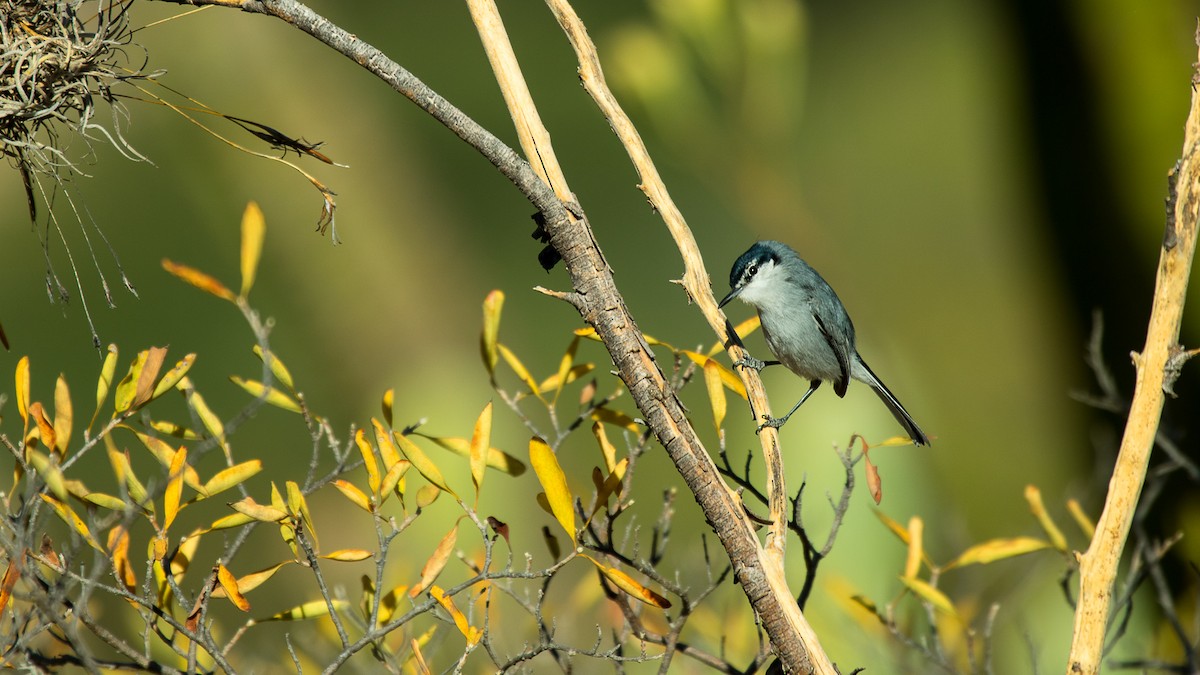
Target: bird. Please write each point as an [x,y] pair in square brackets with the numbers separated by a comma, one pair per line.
[806,327]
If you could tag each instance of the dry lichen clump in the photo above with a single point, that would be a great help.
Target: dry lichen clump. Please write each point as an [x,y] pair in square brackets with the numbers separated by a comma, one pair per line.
[56,58]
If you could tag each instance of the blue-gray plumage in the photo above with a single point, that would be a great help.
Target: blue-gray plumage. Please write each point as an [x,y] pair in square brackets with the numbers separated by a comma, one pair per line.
[806,327]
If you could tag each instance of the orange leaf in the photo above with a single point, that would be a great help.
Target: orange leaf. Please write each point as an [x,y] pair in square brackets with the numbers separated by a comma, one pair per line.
[470,632]
[358,497]
[230,586]
[198,279]
[45,428]
[436,562]
[632,588]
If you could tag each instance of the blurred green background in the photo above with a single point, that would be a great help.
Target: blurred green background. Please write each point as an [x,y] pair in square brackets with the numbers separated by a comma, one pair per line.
[973,178]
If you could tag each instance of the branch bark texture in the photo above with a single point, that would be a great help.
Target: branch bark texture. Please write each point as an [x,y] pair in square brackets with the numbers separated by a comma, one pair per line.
[1155,364]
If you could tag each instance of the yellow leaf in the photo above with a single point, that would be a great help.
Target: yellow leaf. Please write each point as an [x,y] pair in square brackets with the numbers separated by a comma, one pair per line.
[427,495]
[358,497]
[268,394]
[254,226]
[436,562]
[630,587]
[610,485]
[930,594]
[916,550]
[389,603]
[554,482]
[173,376]
[496,459]
[107,371]
[519,368]
[588,333]
[63,414]
[1084,523]
[606,447]
[73,521]
[743,329]
[387,449]
[389,398]
[298,505]
[556,381]
[230,586]
[564,367]
[105,501]
[492,305]
[125,476]
[427,468]
[22,379]
[174,488]
[261,512]
[166,454]
[253,580]
[48,470]
[233,520]
[368,455]
[172,429]
[309,610]
[460,621]
[211,422]
[44,427]
[394,479]
[198,279]
[278,370]
[348,555]
[616,418]
[234,475]
[1034,496]
[118,544]
[731,381]
[997,549]
[480,442]
[151,365]
[716,391]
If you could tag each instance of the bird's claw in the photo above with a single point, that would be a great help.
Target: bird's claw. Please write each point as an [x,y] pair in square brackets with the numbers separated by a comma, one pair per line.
[773,422]
[748,361]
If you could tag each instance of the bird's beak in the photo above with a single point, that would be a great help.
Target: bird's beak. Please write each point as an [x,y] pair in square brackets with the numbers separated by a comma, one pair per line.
[732,294]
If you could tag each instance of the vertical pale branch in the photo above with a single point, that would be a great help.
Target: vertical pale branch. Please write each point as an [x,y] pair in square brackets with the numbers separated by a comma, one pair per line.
[696,282]
[1157,365]
[535,140]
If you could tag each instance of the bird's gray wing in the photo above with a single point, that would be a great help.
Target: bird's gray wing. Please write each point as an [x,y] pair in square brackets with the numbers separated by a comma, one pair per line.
[842,354]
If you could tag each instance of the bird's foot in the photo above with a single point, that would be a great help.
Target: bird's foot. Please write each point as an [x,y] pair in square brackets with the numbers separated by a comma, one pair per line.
[773,422]
[748,361]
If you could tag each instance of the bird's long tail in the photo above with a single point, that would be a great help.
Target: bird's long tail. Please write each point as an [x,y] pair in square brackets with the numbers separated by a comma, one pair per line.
[893,404]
